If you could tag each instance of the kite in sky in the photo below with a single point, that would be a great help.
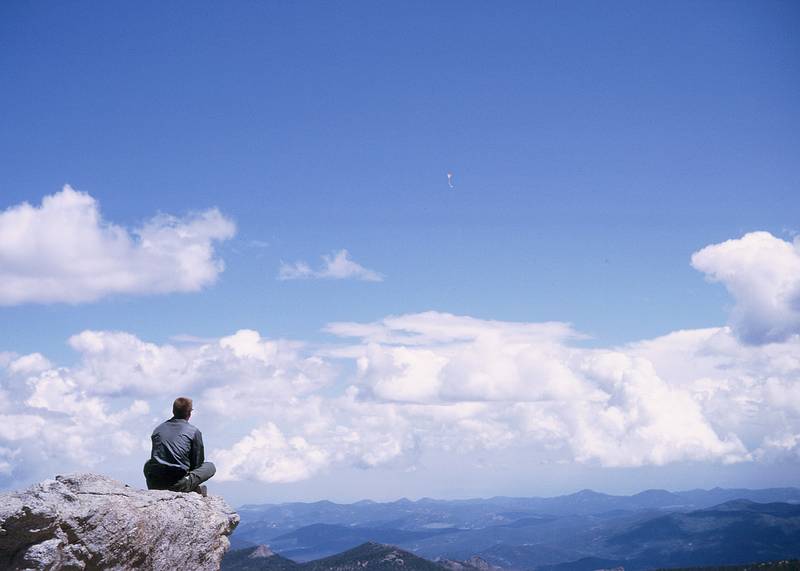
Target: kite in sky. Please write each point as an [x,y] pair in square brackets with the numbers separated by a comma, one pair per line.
[450,180]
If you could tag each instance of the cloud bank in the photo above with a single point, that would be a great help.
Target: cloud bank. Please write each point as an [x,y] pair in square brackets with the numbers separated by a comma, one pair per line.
[460,385]
[336,266]
[384,393]
[63,251]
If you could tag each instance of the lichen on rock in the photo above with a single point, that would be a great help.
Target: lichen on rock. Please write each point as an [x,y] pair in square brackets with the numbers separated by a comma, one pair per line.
[88,521]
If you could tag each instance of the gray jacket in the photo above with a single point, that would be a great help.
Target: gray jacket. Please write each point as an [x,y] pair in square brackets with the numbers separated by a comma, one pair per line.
[178,444]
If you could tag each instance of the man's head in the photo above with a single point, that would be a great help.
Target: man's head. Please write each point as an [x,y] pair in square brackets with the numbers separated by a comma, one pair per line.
[182,408]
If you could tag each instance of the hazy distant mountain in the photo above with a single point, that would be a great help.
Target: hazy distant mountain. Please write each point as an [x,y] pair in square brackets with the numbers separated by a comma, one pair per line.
[368,556]
[258,558]
[263,522]
[587,564]
[474,563]
[583,531]
[377,557]
[790,565]
[735,532]
[373,556]
[321,539]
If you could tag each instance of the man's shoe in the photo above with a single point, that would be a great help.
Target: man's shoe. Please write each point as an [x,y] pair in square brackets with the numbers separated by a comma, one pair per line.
[182,485]
[202,490]
[186,484]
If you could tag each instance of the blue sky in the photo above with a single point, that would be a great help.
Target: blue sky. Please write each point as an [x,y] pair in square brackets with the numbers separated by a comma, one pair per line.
[595,147]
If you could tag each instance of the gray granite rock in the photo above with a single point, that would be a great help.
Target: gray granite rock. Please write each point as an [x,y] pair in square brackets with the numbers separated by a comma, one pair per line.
[87,521]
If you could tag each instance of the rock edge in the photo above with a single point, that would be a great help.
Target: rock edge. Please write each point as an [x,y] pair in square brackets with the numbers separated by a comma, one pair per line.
[88,521]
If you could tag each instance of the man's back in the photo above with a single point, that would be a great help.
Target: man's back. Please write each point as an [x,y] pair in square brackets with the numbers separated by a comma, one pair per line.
[177,444]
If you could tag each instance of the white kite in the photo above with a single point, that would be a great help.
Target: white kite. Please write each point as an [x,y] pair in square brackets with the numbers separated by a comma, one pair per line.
[450,180]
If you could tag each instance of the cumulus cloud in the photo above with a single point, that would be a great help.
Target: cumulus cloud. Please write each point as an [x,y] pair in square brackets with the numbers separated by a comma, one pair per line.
[748,390]
[762,273]
[100,407]
[63,251]
[644,420]
[33,363]
[410,383]
[119,364]
[383,393]
[108,394]
[267,455]
[431,327]
[602,406]
[336,266]
[7,456]
[19,426]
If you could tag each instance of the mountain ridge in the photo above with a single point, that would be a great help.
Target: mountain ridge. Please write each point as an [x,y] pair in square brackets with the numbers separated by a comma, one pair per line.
[370,556]
[524,537]
[790,490]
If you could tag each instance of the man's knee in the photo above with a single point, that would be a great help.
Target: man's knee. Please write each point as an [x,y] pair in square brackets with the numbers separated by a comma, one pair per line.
[205,471]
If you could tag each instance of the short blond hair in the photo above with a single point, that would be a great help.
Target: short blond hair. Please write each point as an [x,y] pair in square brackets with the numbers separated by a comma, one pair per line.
[182,407]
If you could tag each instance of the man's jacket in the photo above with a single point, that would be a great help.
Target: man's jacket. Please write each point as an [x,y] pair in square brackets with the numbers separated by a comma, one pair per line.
[177,449]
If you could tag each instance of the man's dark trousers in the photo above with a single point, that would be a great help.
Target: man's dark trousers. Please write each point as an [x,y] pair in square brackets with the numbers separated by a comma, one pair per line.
[161,477]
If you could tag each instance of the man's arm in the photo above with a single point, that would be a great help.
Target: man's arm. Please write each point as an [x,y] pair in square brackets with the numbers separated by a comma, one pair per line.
[198,453]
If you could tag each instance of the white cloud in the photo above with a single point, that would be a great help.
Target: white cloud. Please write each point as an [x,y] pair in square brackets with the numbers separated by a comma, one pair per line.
[7,457]
[119,364]
[604,406]
[644,420]
[33,363]
[747,390]
[267,455]
[20,426]
[780,446]
[5,401]
[248,343]
[63,251]
[56,392]
[115,362]
[108,394]
[296,271]
[762,273]
[386,392]
[433,327]
[336,266]
[413,383]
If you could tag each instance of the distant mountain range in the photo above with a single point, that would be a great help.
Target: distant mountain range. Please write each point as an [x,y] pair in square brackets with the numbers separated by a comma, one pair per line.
[369,556]
[377,557]
[583,531]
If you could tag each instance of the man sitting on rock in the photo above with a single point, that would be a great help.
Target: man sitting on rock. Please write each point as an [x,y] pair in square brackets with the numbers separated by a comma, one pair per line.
[177,461]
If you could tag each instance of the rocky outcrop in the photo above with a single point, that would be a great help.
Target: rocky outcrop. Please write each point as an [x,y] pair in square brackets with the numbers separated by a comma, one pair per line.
[87,521]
